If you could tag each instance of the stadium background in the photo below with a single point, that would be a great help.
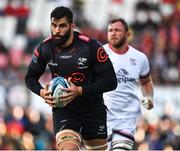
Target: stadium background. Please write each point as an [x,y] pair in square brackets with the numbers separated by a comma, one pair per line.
[25,120]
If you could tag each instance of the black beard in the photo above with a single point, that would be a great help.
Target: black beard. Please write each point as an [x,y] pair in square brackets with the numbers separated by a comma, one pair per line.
[62,40]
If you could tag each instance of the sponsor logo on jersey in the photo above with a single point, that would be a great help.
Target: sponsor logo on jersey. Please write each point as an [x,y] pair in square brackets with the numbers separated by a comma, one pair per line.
[122,76]
[65,57]
[52,63]
[82,63]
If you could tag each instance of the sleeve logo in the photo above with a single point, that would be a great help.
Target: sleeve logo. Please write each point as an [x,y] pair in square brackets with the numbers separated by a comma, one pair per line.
[101,55]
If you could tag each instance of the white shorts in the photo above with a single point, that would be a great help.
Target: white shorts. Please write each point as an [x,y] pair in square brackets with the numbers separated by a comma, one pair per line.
[121,129]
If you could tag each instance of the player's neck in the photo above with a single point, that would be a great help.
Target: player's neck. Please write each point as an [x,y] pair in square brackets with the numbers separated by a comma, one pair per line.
[120,50]
[69,41]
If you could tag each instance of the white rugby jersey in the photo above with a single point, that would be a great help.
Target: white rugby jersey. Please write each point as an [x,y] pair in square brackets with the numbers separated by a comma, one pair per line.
[123,102]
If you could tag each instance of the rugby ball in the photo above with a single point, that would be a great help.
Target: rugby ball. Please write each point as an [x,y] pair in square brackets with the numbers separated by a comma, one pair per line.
[55,86]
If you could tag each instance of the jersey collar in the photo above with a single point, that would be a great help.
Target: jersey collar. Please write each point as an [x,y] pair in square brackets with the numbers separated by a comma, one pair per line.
[118,52]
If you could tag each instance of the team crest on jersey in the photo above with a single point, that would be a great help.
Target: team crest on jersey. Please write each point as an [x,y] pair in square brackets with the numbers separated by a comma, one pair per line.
[133,61]
[82,63]
[101,130]
[101,55]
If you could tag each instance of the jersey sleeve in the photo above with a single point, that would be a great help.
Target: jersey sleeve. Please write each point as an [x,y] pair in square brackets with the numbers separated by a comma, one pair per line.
[36,68]
[103,70]
[145,70]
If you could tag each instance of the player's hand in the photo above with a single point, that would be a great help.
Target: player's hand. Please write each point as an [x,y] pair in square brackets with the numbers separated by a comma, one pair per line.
[72,92]
[147,102]
[47,96]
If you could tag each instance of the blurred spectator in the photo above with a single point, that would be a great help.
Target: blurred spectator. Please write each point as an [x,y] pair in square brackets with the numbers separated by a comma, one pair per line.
[20,10]
[33,38]
[143,146]
[168,147]
[3,49]
[4,60]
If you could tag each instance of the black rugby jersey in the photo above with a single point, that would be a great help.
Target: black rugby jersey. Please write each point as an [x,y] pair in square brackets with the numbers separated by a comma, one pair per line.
[84,60]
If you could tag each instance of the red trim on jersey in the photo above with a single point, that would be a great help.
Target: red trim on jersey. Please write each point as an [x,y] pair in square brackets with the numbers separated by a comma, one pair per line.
[48,38]
[36,53]
[119,52]
[84,37]
[101,55]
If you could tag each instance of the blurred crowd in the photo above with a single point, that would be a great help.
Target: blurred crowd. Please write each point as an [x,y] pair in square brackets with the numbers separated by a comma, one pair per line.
[163,135]
[24,129]
[154,32]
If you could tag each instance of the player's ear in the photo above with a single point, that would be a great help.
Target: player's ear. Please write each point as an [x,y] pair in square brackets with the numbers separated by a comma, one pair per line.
[128,33]
[73,26]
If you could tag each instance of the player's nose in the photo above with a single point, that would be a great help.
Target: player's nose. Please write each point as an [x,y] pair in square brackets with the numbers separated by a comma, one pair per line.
[57,29]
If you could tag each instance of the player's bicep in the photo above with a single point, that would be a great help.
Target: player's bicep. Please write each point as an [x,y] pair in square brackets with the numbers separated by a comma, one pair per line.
[145,68]
[103,69]
[37,65]
[101,61]
[35,71]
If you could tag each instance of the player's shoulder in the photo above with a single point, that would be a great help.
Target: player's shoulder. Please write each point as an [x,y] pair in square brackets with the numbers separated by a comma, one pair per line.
[83,37]
[47,39]
[44,46]
[45,42]
[136,52]
[106,46]
[87,39]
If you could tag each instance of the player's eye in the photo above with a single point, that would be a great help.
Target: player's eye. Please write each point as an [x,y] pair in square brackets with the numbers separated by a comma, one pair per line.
[53,25]
[110,30]
[62,25]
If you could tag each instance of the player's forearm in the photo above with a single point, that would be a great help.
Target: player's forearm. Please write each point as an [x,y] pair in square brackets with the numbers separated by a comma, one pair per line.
[33,85]
[32,78]
[147,89]
[147,100]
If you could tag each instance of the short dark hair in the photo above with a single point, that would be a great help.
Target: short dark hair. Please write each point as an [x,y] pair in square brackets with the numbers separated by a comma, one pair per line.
[122,21]
[60,12]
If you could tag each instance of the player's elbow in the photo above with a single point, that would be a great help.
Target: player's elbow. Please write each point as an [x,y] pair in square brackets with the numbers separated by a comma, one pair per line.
[26,79]
[29,81]
[112,83]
